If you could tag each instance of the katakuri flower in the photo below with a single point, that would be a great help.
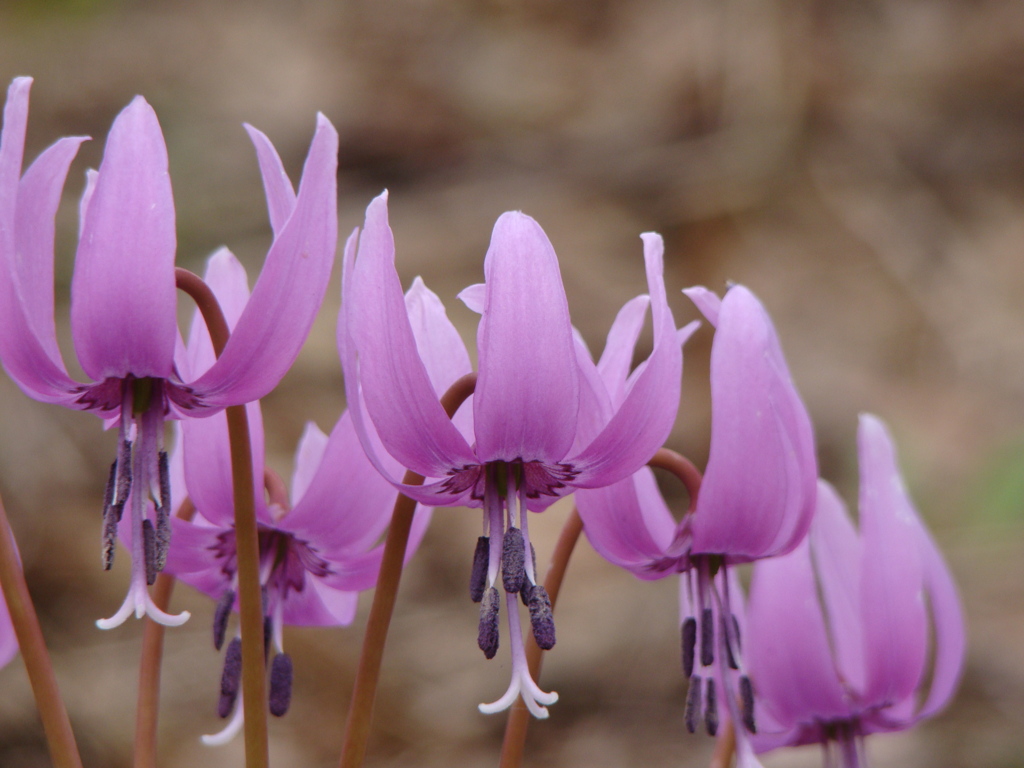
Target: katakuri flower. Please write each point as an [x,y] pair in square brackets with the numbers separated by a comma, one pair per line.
[520,450]
[123,304]
[755,500]
[319,546]
[838,630]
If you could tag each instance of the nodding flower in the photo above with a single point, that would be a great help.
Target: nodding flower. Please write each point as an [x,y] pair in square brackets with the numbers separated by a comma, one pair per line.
[854,633]
[520,448]
[124,305]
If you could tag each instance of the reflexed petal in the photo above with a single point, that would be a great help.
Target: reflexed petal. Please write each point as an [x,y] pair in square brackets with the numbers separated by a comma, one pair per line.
[122,294]
[646,414]
[837,560]
[289,290]
[892,600]
[618,352]
[383,370]
[788,652]
[628,523]
[758,493]
[190,557]
[308,457]
[706,301]
[319,605]
[527,397]
[277,185]
[12,151]
[226,277]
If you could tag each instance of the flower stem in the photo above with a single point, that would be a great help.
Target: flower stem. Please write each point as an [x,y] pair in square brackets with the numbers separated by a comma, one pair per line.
[148,703]
[250,599]
[59,737]
[360,713]
[725,746]
[519,716]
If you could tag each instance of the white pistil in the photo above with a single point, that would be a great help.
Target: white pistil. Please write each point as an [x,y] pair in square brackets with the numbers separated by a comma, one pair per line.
[229,731]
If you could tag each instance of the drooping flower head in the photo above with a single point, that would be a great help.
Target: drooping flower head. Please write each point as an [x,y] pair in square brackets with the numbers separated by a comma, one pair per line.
[755,500]
[319,545]
[123,304]
[521,449]
[839,628]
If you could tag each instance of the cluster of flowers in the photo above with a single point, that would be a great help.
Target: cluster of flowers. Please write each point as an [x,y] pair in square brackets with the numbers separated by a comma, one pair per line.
[836,625]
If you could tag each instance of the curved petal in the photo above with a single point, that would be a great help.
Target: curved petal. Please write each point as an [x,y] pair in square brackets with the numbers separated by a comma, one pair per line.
[646,414]
[191,557]
[788,653]
[8,640]
[618,352]
[629,524]
[527,397]
[227,278]
[12,152]
[289,290]
[383,369]
[318,605]
[123,300]
[308,458]
[895,628]
[759,489]
[276,184]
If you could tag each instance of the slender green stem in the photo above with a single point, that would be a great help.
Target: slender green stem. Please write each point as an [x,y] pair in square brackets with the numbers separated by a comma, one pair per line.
[148,704]
[514,744]
[360,713]
[250,600]
[59,737]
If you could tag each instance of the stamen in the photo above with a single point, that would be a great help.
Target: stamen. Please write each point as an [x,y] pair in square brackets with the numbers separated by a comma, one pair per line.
[711,709]
[221,616]
[165,480]
[110,519]
[692,710]
[478,577]
[525,592]
[541,618]
[280,684]
[729,655]
[513,560]
[736,633]
[747,704]
[689,630]
[707,638]
[230,678]
[108,494]
[163,536]
[488,634]
[149,548]
[268,634]
[124,473]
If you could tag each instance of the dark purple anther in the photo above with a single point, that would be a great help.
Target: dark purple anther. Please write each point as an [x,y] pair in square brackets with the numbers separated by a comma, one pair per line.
[268,633]
[108,494]
[280,684]
[163,536]
[149,548]
[124,475]
[513,559]
[221,616]
[689,631]
[707,638]
[541,618]
[488,637]
[729,655]
[736,634]
[526,592]
[711,708]
[478,577]
[747,704]
[692,710]
[165,480]
[230,678]
[109,537]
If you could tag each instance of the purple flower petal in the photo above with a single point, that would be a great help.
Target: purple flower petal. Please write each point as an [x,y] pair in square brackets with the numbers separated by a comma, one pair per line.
[617,357]
[308,457]
[278,187]
[289,290]
[527,396]
[122,294]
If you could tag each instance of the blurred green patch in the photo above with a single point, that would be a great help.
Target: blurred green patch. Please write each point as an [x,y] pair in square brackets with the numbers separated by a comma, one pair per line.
[998,492]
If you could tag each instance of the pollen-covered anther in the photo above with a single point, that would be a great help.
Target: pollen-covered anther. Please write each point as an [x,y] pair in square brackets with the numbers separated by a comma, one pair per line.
[149,550]
[747,704]
[541,618]
[488,635]
[230,678]
[109,537]
[689,642]
[707,638]
[221,616]
[730,657]
[280,684]
[711,708]
[478,576]
[693,698]
[513,560]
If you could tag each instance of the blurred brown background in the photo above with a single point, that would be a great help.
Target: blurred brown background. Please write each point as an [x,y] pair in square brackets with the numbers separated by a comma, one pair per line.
[858,163]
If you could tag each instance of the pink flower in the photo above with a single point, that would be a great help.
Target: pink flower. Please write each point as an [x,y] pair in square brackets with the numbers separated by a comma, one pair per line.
[839,629]
[522,448]
[123,304]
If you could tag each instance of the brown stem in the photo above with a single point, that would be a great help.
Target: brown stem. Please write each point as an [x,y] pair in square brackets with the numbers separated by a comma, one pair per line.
[148,705]
[681,467]
[360,713]
[250,601]
[59,737]
[725,746]
[519,716]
